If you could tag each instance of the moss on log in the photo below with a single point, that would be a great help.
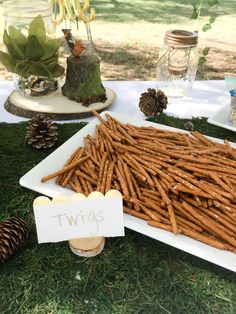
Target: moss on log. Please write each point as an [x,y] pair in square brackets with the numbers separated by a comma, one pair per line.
[83,80]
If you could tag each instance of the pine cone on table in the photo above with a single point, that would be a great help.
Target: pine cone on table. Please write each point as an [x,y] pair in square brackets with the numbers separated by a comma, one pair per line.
[152,102]
[40,133]
[13,233]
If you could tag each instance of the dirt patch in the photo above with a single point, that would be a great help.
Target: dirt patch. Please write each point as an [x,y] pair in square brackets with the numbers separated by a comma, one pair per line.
[129,51]
[128,62]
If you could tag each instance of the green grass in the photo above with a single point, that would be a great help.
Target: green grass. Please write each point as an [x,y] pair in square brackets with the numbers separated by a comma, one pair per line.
[133,274]
[155,11]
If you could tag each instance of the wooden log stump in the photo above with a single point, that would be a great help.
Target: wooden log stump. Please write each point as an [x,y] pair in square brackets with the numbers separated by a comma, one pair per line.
[83,80]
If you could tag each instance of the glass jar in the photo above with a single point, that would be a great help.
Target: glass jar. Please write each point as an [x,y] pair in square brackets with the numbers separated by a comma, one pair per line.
[19,14]
[177,62]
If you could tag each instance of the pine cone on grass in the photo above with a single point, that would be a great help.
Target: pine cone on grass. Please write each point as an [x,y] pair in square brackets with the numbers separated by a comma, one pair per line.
[152,102]
[40,133]
[13,233]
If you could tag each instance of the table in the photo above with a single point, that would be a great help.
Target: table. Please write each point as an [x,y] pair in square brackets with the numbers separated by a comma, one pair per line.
[204,99]
[135,272]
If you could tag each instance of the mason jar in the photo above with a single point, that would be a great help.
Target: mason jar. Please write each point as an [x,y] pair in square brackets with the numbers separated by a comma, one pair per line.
[19,14]
[177,62]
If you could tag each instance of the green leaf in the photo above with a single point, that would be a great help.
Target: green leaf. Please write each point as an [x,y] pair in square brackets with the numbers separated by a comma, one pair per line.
[206,27]
[50,48]
[22,67]
[17,36]
[34,50]
[205,51]
[212,19]
[197,5]
[8,61]
[202,60]
[15,50]
[50,61]
[37,29]
[39,69]
[56,70]
[212,2]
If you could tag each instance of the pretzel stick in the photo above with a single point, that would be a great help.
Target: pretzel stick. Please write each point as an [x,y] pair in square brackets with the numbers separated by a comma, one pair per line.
[98,116]
[147,165]
[94,160]
[163,214]
[223,160]
[162,192]
[126,148]
[95,153]
[69,161]
[228,182]
[129,139]
[122,182]
[129,180]
[230,229]
[116,185]
[74,187]
[136,186]
[70,173]
[85,186]
[90,169]
[180,210]
[96,139]
[141,169]
[77,183]
[137,175]
[161,225]
[130,183]
[200,168]
[230,150]
[205,239]
[101,170]
[106,132]
[187,224]
[101,146]
[55,174]
[85,176]
[135,213]
[107,148]
[104,177]
[223,216]
[211,225]
[218,189]
[202,138]
[109,176]
[153,215]
[223,185]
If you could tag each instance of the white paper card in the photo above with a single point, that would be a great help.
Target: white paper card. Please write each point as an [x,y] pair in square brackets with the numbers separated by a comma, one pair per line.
[62,221]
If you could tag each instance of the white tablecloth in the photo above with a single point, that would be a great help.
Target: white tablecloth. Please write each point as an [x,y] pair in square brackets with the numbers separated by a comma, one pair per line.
[204,99]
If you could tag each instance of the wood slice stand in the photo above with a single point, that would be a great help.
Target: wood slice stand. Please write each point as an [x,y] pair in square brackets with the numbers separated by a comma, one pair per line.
[57,106]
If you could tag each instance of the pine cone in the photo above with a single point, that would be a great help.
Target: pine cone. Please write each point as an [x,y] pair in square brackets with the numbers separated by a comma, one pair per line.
[13,233]
[40,133]
[152,102]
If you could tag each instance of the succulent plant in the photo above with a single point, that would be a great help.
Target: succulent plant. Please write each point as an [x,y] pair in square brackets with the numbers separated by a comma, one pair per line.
[35,54]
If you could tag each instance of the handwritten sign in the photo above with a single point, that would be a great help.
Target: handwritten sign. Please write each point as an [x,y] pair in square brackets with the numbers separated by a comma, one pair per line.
[68,218]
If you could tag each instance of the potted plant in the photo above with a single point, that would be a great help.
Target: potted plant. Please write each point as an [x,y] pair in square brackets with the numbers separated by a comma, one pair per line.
[33,57]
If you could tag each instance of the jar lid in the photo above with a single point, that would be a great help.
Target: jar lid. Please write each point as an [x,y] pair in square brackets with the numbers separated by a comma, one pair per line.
[181,38]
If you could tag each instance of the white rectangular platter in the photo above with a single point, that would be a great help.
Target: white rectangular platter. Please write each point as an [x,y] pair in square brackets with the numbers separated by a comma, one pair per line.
[221,118]
[56,160]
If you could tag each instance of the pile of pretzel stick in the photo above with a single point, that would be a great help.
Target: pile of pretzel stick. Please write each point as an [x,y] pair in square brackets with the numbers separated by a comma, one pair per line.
[181,182]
